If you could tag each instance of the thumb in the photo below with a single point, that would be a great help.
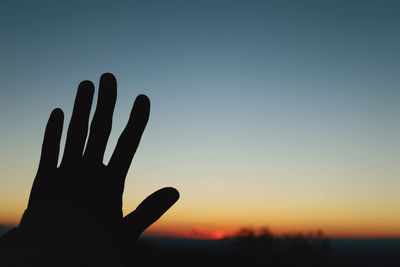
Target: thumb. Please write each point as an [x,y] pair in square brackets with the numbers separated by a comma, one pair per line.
[149,211]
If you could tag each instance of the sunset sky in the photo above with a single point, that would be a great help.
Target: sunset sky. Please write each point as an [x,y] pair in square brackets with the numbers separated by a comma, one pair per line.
[283,114]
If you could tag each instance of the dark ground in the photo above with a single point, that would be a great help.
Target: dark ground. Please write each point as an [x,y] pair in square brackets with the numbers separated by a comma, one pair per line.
[292,251]
[250,249]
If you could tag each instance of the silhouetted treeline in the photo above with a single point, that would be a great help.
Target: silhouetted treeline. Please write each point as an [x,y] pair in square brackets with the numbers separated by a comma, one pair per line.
[263,247]
[247,248]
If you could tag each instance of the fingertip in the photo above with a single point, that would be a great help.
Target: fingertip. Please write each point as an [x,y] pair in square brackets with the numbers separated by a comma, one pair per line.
[108,87]
[57,112]
[162,199]
[108,81]
[86,87]
[140,110]
[86,83]
[57,115]
[143,99]
[107,76]
[172,193]
[142,103]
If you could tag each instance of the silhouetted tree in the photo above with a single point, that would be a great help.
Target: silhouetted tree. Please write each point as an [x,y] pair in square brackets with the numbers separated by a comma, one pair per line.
[251,247]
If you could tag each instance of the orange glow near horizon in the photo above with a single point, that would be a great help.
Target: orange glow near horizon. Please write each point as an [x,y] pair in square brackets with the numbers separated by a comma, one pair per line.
[206,232]
[198,232]
[223,220]
[218,222]
[182,230]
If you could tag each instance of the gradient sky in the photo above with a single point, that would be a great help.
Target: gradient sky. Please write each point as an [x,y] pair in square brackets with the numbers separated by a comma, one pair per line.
[277,113]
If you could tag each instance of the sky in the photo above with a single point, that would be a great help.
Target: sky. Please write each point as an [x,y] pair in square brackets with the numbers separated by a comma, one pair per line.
[263,113]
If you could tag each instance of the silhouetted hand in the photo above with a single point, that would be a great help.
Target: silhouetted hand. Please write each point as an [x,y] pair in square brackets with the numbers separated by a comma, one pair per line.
[75,210]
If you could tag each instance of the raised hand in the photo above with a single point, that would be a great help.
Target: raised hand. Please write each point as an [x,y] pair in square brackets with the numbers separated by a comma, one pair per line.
[78,205]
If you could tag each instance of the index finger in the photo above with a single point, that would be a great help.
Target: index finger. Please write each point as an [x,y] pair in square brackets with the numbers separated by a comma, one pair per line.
[129,140]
